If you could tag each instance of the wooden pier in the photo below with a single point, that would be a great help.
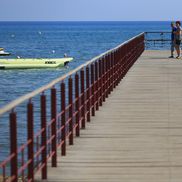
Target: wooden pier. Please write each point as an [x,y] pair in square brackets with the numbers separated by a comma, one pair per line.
[137,135]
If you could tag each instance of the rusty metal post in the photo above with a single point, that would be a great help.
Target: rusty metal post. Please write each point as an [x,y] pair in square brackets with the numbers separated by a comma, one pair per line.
[112,71]
[53,127]
[13,146]
[77,104]
[88,93]
[121,63]
[70,96]
[63,119]
[118,66]
[119,72]
[115,69]
[44,135]
[30,138]
[107,78]
[96,86]
[109,73]
[122,57]
[103,80]
[93,89]
[82,82]
[100,82]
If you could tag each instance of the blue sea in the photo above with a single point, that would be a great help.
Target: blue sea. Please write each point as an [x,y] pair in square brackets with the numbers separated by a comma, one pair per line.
[81,40]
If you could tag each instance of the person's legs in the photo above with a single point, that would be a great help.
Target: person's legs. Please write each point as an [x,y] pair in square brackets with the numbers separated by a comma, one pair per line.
[177,46]
[172,49]
[178,50]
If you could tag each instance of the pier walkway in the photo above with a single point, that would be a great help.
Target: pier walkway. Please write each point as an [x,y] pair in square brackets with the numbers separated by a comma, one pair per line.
[137,135]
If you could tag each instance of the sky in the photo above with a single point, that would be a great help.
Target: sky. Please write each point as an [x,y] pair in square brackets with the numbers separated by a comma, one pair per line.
[90,10]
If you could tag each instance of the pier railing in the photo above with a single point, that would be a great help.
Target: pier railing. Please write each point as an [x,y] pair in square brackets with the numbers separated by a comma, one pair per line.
[157,40]
[66,105]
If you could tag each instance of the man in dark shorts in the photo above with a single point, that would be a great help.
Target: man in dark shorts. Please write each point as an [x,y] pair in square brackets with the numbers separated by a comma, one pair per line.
[173,38]
[178,39]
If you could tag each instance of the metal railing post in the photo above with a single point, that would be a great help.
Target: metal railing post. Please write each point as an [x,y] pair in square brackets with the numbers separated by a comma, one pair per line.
[63,119]
[30,138]
[77,104]
[107,78]
[109,65]
[54,127]
[96,86]
[112,71]
[88,93]
[13,146]
[100,82]
[82,84]
[117,67]
[93,89]
[120,64]
[70,96]
[44,135]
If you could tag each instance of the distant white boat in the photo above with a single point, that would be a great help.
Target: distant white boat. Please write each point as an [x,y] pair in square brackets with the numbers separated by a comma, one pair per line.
[3,53]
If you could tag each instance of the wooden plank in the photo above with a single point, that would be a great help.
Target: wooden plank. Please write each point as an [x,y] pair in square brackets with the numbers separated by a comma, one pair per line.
[136,136]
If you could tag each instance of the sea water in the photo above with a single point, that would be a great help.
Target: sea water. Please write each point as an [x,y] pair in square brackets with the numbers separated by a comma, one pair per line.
[81,40]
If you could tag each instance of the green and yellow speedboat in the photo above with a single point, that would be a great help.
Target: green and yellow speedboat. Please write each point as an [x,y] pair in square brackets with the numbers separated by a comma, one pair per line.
[34,63]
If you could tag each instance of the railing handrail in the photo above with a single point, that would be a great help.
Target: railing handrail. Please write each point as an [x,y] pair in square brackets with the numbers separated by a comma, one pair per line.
[30,95]
[158,32]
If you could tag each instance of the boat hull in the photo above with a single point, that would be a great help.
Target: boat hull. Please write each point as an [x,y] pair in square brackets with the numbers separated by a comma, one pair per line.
[33,63]
[4,54]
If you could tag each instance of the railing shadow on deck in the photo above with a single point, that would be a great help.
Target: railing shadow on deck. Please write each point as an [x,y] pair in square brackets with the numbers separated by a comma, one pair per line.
[71,100]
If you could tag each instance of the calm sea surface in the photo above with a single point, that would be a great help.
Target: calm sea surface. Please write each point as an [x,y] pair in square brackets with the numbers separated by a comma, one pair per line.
[81,40]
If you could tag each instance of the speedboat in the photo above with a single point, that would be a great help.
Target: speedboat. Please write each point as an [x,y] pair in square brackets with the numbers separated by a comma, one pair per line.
[34,63]
[3,53]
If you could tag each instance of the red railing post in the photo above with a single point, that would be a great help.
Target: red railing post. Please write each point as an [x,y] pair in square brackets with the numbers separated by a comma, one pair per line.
[117,66]
[63,119]
[70,97]
[109,67]
[112,59]
[31,139]
[82,99]
[13,146]
[96,86]
[120,65]
[107,80]
[93,89]
[43,135]
[103,80]
[54,127]
[88,93]
[77,104]
[112,71]
[125,60]
[116,73]
[100,82]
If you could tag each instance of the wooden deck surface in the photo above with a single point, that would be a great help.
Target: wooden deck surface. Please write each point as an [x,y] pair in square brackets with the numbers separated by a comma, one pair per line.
[137,135]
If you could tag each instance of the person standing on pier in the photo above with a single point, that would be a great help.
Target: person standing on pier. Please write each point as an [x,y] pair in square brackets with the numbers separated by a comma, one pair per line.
[173,40]
[178,38]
